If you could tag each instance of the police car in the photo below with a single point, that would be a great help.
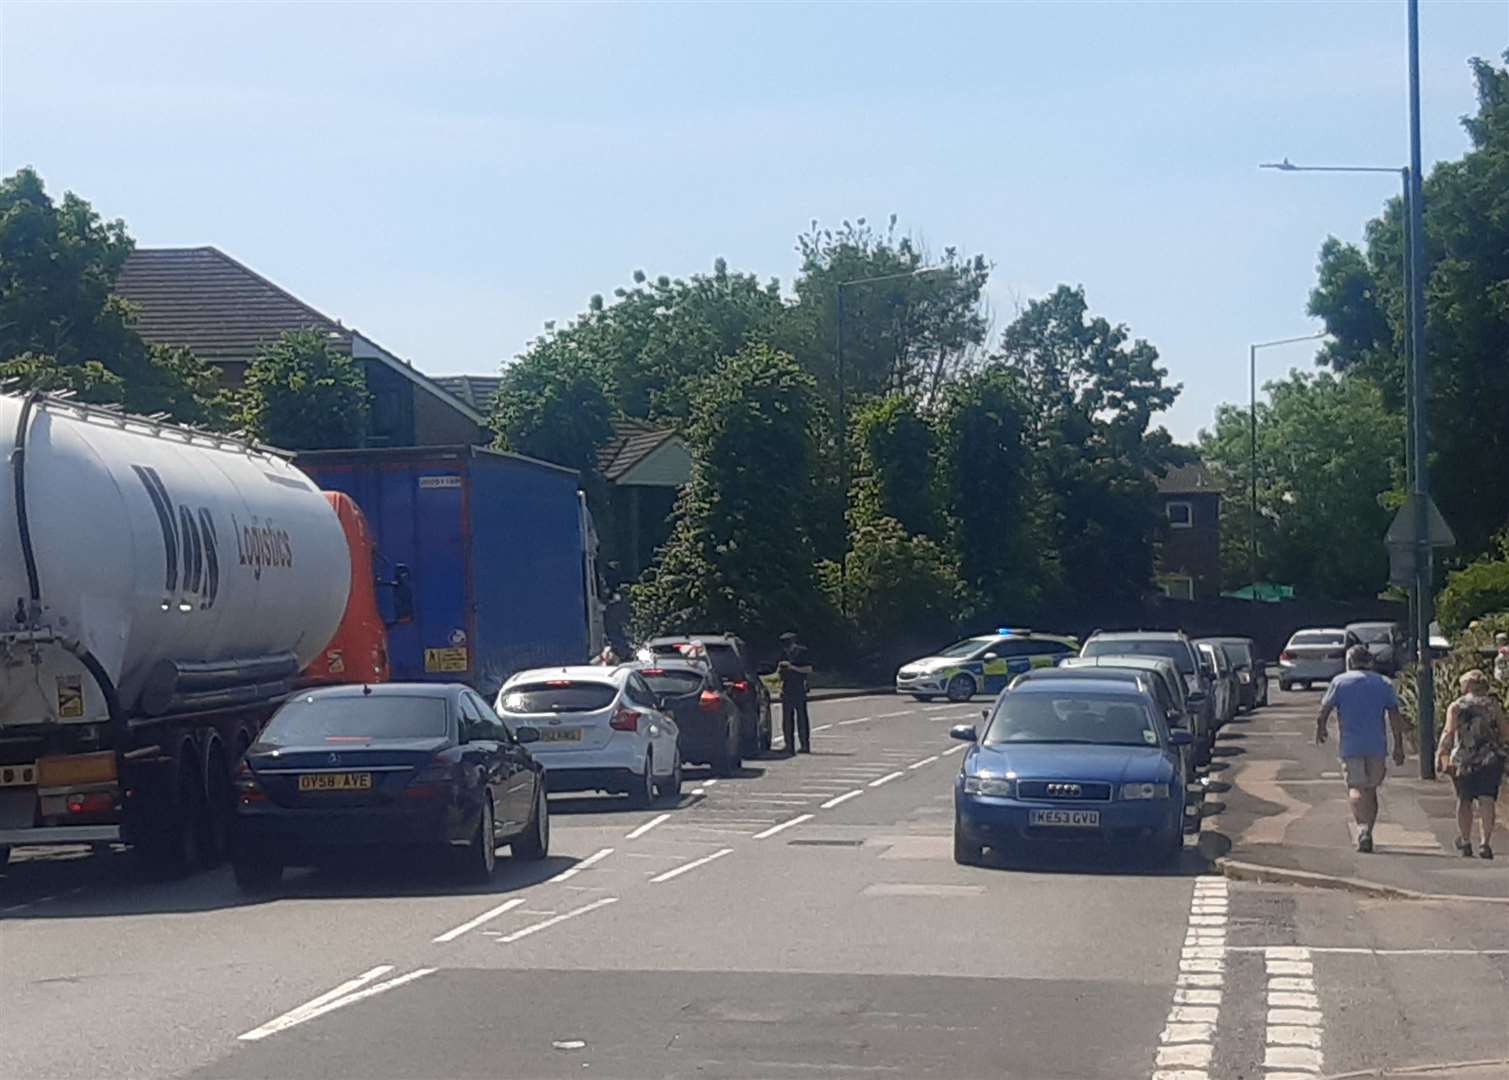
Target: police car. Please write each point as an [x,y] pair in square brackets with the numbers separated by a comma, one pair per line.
[981,664]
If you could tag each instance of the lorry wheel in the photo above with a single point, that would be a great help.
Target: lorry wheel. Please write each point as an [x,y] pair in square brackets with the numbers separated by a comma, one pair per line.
[534,842]
[219,809]
[4,857]
[174,842]
[257,873]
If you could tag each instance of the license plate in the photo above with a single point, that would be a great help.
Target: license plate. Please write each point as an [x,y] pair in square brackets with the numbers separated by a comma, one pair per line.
[1066,819]
[561,735]
[338,781]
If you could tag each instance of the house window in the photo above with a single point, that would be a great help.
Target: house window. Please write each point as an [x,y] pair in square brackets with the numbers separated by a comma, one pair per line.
[1181,515]
[1177,586]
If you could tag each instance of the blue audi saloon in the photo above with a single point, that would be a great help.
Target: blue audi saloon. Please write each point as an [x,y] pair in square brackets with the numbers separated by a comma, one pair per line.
[1063,762]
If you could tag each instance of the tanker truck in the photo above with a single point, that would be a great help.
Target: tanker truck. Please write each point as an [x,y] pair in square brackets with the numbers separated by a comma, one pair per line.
[161,591]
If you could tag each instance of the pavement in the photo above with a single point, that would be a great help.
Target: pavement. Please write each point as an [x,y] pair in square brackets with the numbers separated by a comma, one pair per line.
[802,919]
[1286,816]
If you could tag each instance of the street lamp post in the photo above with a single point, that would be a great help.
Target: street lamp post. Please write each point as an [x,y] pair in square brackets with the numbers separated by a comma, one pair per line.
[843,411]
[1252,351]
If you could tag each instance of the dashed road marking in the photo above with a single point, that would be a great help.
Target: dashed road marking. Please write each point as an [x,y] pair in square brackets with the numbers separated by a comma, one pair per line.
[684,867]
[845,797]
[893,715]
[1294,1021]
[472,924]
[1187,1042]
[571,871]
[783,826]
[925,761]
[535,928]
[886,779]
[953,749]
[647,826]
[856,720]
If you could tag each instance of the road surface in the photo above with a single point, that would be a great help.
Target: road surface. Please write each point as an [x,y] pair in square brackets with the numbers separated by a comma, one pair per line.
[804,919]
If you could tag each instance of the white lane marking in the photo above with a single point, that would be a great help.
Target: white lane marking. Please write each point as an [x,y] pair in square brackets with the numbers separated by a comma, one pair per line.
[1355,950]
[821,727]
[856,720]
[698,791]
[892,715]
[886,779]
[783,825]
[925,761]
[953,749]
[1295,1025]
[472,924]
[935,708]
[710,783]
[571,871]
[346,993]
[845,797]
[1187,1042]
[647,826]
[535,928]
[684,867]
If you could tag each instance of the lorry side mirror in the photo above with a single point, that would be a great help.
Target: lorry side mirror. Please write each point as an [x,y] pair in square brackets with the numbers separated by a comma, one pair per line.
[403,595]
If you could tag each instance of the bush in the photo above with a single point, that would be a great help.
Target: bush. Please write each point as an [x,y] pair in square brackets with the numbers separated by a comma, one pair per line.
[1475,590]
[901,590]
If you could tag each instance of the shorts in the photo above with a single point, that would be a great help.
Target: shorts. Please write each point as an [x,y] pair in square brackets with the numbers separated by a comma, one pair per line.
[1479,783]
[1364,772]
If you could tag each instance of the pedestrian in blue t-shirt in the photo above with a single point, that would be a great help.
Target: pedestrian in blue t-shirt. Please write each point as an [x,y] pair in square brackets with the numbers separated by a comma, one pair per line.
[1362,699]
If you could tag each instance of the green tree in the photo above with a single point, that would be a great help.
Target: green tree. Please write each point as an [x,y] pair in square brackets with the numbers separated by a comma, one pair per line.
[1329,452]
[62,327]
[1089,394]
[1479,588]
[894,451]
[1359,294]
[738,554]
[551,405]
[300,394]
[901,589]
[984,480]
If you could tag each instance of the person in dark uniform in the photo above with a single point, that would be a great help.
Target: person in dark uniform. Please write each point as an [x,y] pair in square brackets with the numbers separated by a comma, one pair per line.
[795,672]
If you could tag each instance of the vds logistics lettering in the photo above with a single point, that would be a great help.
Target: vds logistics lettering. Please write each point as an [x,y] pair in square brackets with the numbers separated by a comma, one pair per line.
[263,546]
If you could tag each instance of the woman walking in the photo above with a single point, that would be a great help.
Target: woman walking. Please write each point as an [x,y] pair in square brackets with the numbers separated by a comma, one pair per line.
[1474,747]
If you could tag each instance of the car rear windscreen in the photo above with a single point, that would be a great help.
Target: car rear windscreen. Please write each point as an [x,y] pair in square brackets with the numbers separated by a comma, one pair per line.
[558,697]
[313,719]
[672,682]
[1372,635]
[1315,637]
[725,661]
[1173,649]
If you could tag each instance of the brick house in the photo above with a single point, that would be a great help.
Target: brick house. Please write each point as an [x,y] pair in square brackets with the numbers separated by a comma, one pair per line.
[1189,550]
[202,299]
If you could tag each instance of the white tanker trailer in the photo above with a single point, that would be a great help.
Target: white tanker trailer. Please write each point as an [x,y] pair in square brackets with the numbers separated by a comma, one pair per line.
[160,588]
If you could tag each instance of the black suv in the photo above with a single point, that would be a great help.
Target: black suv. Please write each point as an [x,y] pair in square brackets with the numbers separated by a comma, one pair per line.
[1177,647]
[734,663]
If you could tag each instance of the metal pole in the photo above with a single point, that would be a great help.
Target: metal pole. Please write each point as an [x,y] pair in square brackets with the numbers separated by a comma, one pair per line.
[1423,552]
[1409,394]
[1252,471]
[843,452]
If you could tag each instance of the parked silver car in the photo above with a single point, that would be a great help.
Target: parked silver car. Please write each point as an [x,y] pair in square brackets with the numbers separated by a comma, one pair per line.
[1312,656]
[1385,640]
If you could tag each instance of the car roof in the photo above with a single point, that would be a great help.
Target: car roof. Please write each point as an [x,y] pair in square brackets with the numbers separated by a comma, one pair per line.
[1116,687]
[1122,660]
[574,672]
[1374,622]
[1318,630]
[1106,673]
[389,689]
[1139,635]
[1231,640]
[678,639]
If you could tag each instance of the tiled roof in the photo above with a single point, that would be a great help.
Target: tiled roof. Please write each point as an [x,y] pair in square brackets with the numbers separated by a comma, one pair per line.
[205,300]
[1192,479]
[632,442]
[477,391]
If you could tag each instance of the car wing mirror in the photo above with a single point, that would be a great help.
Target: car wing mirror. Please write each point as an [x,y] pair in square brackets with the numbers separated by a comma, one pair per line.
[991,656]
[963,732]
[1180,737]
[527,734]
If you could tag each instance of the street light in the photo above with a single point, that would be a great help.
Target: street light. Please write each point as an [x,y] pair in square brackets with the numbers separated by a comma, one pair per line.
[843,413]
[1252,351]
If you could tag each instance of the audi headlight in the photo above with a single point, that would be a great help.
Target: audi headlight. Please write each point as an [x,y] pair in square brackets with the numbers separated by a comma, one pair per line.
[1144,791]
[989,785]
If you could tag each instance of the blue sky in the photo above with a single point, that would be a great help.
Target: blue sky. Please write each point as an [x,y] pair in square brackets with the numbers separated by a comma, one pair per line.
[448,178]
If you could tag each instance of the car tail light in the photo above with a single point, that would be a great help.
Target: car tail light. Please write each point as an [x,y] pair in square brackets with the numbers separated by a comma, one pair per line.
[248,790]
[709,701]
[740,685]
[1287,654]
[433,781]
[624,719]
[95,802]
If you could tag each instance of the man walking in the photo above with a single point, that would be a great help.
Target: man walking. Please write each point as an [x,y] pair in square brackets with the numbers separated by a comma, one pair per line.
[795,672]
[1362,699]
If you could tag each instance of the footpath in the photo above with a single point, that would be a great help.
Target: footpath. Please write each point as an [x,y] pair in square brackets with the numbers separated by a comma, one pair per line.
[1277,811]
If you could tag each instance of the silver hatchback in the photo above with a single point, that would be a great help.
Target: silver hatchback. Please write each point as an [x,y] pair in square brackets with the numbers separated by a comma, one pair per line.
[1312,656]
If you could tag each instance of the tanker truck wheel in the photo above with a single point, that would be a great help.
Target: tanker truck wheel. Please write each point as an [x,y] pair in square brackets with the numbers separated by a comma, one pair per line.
[220,807]
[4,857]
[174,843]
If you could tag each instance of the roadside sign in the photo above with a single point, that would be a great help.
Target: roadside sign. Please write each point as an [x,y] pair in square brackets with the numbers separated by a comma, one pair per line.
[1404,528]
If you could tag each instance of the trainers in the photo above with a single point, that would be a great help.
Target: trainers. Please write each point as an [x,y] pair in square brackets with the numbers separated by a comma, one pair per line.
[1485,852]
[1364,842]
[1464,848]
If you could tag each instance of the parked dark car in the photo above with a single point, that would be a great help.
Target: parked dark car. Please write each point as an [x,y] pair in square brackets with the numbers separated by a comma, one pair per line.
[1252,670]
[1385,640]
[1223,676]
[354,769]
[734,664]
[1174,645]
[707,719]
